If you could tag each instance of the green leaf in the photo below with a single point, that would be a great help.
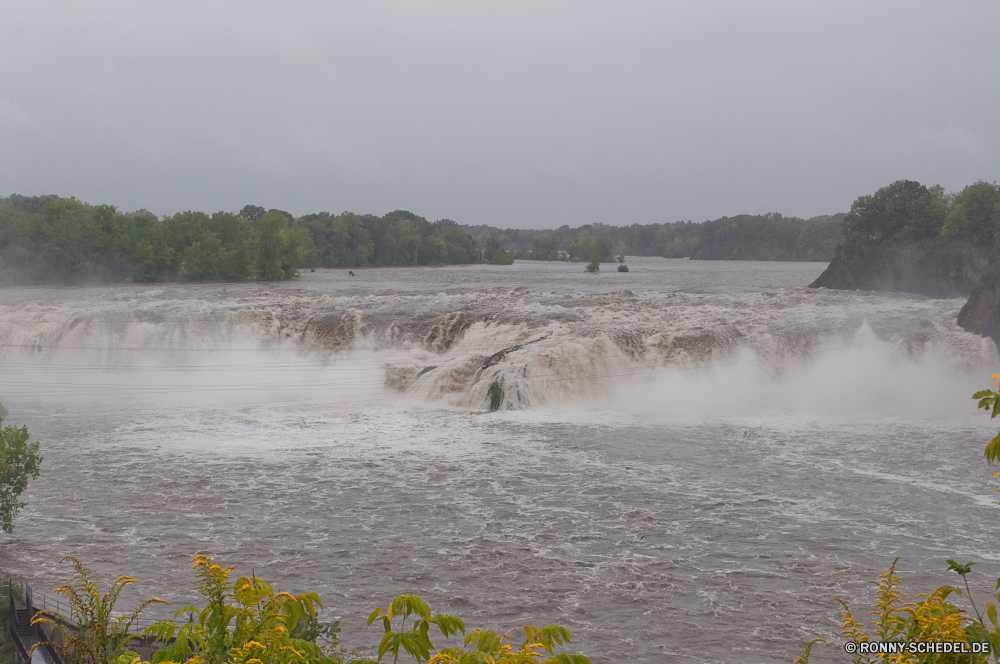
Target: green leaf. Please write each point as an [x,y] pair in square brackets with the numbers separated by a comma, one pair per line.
[449,624]
[959,569]
[566,658]
[991,611]
[418,606]
[384,645]
[374,614]
[975,632]
[411,646]
[992,452]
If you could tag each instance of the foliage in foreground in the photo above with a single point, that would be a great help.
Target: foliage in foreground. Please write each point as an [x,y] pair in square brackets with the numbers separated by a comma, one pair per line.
[245,621]
[480,646]
[934,618]
[99,636]
[990,402]
[19,463]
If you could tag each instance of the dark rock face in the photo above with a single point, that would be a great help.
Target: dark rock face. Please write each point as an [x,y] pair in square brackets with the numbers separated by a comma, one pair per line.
[981,314]
[951,269]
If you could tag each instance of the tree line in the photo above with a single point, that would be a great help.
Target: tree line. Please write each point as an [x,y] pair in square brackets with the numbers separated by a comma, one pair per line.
[768,237]
[48,239]
[903,210]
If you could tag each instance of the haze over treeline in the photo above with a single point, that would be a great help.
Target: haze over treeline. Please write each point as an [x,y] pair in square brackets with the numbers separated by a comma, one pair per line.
[58,240]
[49,239]
[763,237]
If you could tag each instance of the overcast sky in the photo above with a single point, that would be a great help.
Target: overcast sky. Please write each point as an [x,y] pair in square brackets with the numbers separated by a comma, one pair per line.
[525,114]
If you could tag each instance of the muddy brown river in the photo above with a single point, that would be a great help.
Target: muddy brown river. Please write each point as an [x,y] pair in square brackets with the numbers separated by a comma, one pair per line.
[690,464]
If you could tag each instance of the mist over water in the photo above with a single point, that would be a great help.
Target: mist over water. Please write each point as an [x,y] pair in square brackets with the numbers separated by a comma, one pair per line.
[705,453]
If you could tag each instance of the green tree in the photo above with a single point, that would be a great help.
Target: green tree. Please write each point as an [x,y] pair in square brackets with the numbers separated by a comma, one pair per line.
[903,210]
[604,246]
[19,463]
[252,212]
[501,257]
[976,214]
[580,246]
[490,249]
[272,247]
[434,251]
[545,248]
[202,260]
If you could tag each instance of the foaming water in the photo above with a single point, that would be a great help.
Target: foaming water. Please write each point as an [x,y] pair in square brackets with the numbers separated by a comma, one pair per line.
[861,377]
[685,466]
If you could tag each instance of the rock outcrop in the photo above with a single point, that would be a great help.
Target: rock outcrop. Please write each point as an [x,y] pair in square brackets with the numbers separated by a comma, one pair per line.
[950,269]
[981,314]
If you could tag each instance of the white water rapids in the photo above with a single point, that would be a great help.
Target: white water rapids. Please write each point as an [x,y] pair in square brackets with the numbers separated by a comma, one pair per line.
[693,464]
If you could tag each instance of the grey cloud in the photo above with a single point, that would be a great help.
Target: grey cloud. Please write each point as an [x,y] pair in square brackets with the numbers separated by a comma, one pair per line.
[525,114]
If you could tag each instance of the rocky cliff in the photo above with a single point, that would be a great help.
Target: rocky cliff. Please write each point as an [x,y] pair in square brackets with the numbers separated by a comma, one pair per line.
[981,314]
[949,269]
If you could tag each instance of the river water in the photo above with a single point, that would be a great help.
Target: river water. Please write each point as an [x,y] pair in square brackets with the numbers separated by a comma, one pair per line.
[690,464]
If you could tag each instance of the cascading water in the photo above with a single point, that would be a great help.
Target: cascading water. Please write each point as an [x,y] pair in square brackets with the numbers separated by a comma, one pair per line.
[689,461]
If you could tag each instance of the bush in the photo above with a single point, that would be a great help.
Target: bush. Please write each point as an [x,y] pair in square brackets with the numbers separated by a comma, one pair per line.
[486,646]
[100,637]
[932,619]
[246,622]
[501,257]
[623,268]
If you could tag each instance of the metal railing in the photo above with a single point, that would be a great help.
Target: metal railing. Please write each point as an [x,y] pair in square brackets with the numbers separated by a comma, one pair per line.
[35,601]
[35,635]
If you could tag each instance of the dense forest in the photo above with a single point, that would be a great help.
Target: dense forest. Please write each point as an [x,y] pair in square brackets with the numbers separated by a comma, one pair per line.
[908,210]
[47,239]
[768,237]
